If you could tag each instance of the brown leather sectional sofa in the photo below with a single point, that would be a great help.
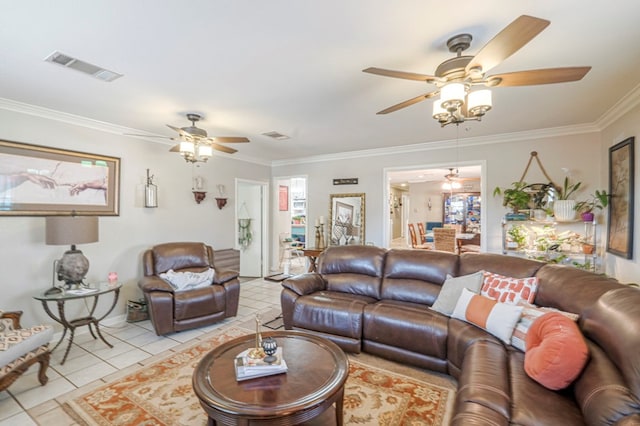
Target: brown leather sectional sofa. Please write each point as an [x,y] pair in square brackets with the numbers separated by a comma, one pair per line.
[374,300]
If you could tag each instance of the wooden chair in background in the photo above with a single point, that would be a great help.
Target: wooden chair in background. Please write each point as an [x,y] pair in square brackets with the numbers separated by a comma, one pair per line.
[414,239]
[422,233]
[444,239]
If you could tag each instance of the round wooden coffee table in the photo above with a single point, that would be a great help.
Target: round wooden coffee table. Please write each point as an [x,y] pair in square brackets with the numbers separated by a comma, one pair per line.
[317,372]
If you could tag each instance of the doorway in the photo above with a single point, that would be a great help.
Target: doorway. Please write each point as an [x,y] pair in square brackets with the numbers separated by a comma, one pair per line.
[290,217]
[251,229]
[423,197]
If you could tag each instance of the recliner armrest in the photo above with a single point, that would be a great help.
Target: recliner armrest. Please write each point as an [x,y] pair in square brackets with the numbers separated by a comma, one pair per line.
[305,283]
[221,277]
[154,283]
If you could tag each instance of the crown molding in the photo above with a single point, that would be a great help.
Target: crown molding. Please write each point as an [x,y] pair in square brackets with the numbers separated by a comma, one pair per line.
[628,102]
[446,144]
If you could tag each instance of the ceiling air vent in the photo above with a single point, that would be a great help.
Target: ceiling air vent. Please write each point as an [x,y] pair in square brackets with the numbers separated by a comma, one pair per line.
[276,135]
[82,66]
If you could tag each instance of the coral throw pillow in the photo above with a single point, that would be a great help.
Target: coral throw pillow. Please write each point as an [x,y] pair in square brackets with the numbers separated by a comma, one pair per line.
[556,351]
[508,289]
[497,318]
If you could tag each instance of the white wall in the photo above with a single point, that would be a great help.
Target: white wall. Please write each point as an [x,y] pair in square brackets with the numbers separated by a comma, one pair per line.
[625,270]
[505,163]
[27,262]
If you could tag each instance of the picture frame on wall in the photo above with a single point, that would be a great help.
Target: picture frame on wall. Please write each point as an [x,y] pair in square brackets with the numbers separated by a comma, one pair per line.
[621,188]
[283,198]
[38,180]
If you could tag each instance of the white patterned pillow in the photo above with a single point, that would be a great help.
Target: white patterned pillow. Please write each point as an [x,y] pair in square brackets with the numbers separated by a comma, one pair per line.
[497,318]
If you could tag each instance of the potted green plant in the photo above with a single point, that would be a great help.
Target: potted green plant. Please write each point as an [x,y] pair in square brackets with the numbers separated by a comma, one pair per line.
[517,197]
[564,207]
[540,193]
[598,200]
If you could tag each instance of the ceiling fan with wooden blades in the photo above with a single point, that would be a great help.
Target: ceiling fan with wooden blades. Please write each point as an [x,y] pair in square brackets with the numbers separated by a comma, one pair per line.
[195,145]
[455,77]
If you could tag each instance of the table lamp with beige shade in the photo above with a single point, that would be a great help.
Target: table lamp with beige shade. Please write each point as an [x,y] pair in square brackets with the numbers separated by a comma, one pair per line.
[73,266]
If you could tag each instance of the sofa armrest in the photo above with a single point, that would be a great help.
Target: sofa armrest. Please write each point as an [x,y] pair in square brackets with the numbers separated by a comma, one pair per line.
[154,283]
[305,283]
[223,276]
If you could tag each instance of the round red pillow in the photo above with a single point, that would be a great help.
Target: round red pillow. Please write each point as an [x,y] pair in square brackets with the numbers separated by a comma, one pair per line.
[556,351]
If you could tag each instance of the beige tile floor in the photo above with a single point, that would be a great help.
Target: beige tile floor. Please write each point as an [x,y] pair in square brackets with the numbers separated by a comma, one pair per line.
[28,403]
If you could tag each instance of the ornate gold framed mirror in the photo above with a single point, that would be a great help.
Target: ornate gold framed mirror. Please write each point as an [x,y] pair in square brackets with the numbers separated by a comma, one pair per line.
[346,219]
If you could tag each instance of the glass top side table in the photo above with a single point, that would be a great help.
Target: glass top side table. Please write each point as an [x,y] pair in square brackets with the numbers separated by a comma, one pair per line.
[95,291]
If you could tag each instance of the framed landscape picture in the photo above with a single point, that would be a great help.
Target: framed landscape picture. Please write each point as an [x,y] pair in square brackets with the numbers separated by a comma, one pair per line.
[621,187]
[43,181]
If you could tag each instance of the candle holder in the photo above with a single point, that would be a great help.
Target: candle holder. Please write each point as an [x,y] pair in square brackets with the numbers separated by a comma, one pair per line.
[257,352]
[321,245]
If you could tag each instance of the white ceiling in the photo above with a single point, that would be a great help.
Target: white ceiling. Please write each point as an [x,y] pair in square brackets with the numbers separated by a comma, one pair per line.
[296,66]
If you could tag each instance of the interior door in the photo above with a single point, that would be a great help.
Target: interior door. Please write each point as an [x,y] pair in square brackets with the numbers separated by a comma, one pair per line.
[250,227]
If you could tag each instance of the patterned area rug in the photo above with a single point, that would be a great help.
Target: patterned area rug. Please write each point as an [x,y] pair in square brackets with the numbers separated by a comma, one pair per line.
[377,392]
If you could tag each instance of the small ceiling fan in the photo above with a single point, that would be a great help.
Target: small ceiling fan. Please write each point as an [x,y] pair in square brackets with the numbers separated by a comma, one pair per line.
[195,144]
[471,70]
[198,135]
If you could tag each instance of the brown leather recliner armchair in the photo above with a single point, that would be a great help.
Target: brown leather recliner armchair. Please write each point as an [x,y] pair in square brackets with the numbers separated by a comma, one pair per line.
[172,310]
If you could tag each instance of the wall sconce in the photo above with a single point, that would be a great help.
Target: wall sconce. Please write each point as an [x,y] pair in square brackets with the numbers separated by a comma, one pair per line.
[198,189]
[150,192]
[221,201]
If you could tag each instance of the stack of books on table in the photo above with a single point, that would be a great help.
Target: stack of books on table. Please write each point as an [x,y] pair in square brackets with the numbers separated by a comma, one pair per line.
[249,368]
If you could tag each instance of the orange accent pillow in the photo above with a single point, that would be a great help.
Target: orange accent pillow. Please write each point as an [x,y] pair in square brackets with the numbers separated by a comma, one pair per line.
[556,351]
[509,290]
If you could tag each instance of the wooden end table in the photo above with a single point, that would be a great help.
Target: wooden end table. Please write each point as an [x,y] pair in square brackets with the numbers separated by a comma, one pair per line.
[313,255]
[317,372]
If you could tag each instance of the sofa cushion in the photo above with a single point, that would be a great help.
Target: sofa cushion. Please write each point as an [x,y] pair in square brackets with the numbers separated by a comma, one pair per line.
[602,392]
[15,343]
[198,302]
[613,323]
[497,318]
[353,269]
[508,289]
[571,289]
[179,256]
[331,312]
[556,351]
[509,266]
[422,331]
[534,405]
[452,289]
[416,275]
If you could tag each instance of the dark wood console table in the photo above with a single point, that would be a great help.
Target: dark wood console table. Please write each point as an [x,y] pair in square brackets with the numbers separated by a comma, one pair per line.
[89,320]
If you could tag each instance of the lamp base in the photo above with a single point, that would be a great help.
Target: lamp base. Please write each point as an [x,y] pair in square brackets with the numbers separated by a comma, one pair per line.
[72,267]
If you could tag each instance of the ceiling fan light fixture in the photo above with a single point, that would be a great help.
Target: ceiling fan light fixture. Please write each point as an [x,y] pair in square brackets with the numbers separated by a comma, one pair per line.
[205,150]
[187,148]
[439,113]
[479,102]
[452,96]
